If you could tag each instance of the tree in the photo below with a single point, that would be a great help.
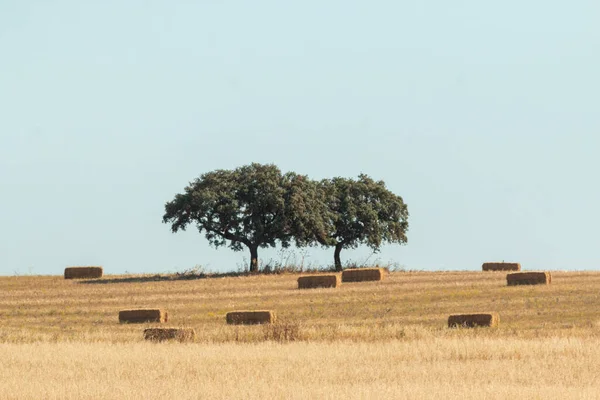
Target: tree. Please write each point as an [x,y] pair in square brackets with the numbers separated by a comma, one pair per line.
[361,211]
[252,206]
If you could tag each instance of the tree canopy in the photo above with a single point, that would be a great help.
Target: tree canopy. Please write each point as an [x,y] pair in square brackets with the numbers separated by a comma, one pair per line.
[252,206]
[256,206]
[361,211]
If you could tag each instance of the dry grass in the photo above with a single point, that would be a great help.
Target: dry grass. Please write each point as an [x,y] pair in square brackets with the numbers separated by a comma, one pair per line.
[281,331]
[63,335]
[467,368]
[528,278]
[319,281]
[49,308]
[363,274]
[83,272]
[500,266]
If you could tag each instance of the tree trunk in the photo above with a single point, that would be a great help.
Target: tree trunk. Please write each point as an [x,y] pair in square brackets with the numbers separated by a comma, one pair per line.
[336,257]
[253,258]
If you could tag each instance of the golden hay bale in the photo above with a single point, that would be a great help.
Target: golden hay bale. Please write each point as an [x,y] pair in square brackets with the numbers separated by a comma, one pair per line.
[162,334]
[528,278]
[250,317]
[143,315]
[500,266]
[362,274]
[83,272]
[473,320]
[319,281]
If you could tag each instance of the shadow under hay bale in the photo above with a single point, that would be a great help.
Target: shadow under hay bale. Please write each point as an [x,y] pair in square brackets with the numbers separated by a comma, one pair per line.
[319,281]
[143,315]
[528,278]
[500,266]
[162,334]
[473,320]
[362,274]
[83,272]
[250,317]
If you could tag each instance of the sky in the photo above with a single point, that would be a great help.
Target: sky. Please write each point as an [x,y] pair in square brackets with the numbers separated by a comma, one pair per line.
[483,116]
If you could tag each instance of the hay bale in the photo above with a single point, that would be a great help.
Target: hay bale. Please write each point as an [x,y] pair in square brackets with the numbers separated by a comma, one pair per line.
[319,281]
[528,278]
[162,334]
[143,315]
[473,320]
[250,317]
[83,272]
[362,274]
[500,266]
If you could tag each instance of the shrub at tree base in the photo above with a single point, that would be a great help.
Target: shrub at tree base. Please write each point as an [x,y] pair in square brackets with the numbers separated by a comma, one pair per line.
[162,334]
[250,317]
[143,315]
[363,274]
[319,281]
[495,266]
[473,320]
[528,278]
[83,272]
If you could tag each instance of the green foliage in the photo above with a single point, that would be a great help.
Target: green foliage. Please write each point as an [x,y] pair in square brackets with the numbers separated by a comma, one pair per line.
[256,206]
[306,208]
[361,211]
[252,206]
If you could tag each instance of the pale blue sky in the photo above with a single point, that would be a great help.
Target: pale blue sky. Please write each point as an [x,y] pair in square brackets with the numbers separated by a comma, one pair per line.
[482,115]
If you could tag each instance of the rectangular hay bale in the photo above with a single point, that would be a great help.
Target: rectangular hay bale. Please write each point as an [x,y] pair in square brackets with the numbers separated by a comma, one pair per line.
[529,278]
[362,274]
[162,334]
[83,272]
[143,315]
[500,266]
[319,281]
[473,320]
[250,317]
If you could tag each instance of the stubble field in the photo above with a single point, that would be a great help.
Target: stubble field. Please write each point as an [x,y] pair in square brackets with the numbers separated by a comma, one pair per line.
[61,338]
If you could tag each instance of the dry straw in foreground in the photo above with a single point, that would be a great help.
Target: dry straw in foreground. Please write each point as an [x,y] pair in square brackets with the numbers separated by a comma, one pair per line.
[473,320]
[83,272]
[250,317]
[362,274]
[143,315]
[162,334]
[319,281]
[500,266]
[528,278]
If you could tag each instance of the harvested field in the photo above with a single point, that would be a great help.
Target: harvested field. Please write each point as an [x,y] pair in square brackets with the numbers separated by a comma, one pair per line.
[319,281]
[83,272]
[500,266]
[529,278]
[62,335]
[250,317]
[363,274]
[143,315]
[50,308]
[473,320]
[162,334]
